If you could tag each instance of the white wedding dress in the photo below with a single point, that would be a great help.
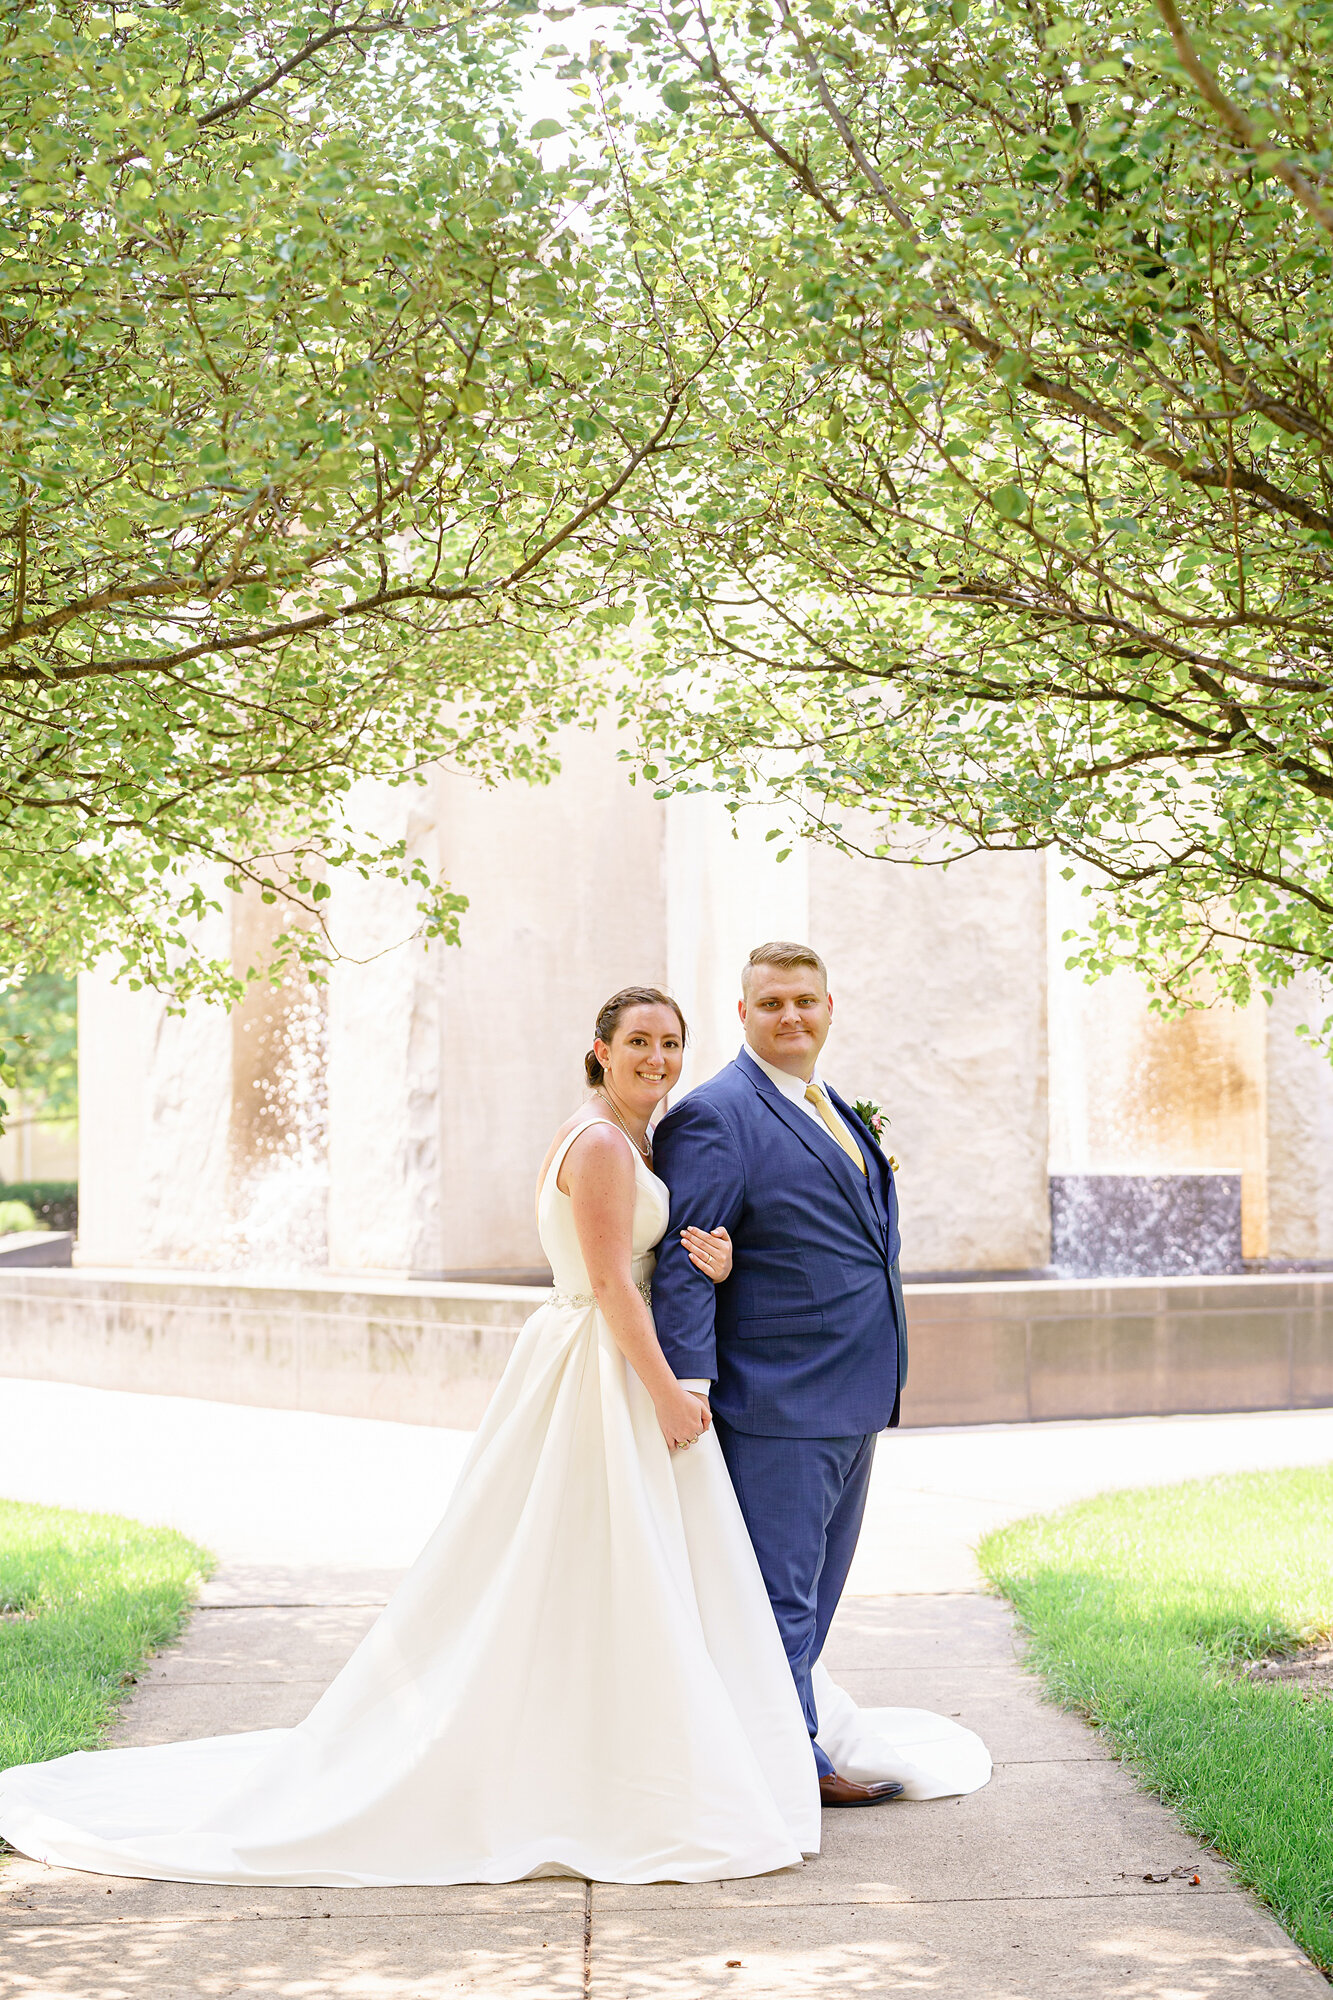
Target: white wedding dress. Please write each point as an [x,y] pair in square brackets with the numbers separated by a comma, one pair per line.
[580,1675]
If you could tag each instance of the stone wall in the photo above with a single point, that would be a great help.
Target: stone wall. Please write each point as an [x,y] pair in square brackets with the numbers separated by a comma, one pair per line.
[383,1085]
[432,1353]
[1119,1347]
[155,1099]
[567,892]
[1299,1128]
[726,893]
[396,1121]
[940,1019]
[414,1354]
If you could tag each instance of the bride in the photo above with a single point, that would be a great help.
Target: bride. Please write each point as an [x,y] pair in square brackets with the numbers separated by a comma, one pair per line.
[581,1673]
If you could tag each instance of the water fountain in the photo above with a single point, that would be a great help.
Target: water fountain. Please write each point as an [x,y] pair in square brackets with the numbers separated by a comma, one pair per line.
[1145,1225]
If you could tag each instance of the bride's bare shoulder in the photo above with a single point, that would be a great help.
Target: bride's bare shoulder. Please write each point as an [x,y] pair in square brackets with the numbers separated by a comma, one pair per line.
[599,1146]
[595,1138]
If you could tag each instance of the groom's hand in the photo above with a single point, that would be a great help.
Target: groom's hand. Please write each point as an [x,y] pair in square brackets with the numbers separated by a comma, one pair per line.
[702,1401]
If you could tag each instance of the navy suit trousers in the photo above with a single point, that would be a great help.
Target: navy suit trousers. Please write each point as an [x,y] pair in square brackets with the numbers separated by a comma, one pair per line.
[803,1499]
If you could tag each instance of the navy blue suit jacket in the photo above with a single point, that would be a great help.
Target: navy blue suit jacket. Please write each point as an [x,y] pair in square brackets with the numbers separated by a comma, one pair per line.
[807,1338]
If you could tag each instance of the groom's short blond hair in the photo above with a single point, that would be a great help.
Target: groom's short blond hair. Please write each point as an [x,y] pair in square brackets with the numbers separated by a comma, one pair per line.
[786,957]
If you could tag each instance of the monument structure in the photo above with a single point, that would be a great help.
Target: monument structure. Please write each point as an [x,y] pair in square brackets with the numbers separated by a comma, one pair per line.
[393,1121]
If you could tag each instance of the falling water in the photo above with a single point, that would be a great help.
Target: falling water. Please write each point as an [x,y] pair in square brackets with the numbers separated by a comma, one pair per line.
[280,1179]
[1145,1225]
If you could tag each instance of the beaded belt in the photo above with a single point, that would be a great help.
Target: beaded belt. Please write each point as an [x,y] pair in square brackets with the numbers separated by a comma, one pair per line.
[643,1285]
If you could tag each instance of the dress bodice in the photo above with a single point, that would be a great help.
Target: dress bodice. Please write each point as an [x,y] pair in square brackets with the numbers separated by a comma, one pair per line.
[555,1218]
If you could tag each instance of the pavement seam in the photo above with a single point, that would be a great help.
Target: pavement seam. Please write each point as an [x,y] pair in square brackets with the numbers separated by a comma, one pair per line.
[745,1903]
[587,1941]
[1032,1763]
[1128,1896]
[965,1667]
[214,1922]
[326,1604]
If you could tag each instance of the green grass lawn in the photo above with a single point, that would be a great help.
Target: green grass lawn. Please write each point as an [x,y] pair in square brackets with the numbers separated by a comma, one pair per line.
[84,1599]
[1143,1607]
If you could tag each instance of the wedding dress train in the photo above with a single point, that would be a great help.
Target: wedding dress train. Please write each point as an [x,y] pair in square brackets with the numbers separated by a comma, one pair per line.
[579,1675]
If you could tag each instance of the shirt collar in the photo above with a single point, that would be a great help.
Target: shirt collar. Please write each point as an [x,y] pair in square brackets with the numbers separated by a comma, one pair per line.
[790,1086]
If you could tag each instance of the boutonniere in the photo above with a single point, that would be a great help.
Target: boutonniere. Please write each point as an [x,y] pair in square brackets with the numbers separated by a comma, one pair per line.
[874,1120]
[870,1114]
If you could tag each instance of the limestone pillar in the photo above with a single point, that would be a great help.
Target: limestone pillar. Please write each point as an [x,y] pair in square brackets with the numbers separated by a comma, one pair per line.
[940,1018]
[382,1053]
[154,1119]
[727,893]
[1299,1128]
[568,893]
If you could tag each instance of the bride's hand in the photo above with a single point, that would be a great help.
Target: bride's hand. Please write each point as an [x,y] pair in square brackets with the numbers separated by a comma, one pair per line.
[684,1417]
[709,1250]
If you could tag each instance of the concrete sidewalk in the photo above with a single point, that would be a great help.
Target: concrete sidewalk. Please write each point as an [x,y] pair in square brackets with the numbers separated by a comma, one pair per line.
[1031,1889]
[295,1488]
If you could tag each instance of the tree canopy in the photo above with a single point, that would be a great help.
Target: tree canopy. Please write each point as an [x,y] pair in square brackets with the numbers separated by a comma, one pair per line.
[306,455]
[1015,515]
[949,380]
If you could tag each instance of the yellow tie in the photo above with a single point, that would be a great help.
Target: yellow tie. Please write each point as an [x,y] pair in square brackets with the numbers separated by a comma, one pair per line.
[814,1095]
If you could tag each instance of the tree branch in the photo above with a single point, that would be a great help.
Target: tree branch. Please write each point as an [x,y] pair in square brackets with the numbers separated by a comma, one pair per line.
[1238,124]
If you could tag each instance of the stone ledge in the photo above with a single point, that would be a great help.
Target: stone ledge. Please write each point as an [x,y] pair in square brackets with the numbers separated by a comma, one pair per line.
[347,1346]
[1079,1347]
[432,1352]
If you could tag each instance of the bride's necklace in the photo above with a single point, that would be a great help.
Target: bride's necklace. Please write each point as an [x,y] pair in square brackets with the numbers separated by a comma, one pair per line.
[644,1146]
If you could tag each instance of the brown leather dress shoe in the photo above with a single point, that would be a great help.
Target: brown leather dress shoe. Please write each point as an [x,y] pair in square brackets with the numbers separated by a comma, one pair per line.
[836,1791]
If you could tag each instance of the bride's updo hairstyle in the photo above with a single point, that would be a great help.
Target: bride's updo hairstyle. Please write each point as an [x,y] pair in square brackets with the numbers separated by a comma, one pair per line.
[608,1020]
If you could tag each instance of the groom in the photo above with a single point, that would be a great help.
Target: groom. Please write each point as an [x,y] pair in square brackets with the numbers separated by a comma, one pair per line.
[802,1353]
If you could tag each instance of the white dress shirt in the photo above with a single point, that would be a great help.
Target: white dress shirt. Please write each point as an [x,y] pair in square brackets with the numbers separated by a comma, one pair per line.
[793,1088]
